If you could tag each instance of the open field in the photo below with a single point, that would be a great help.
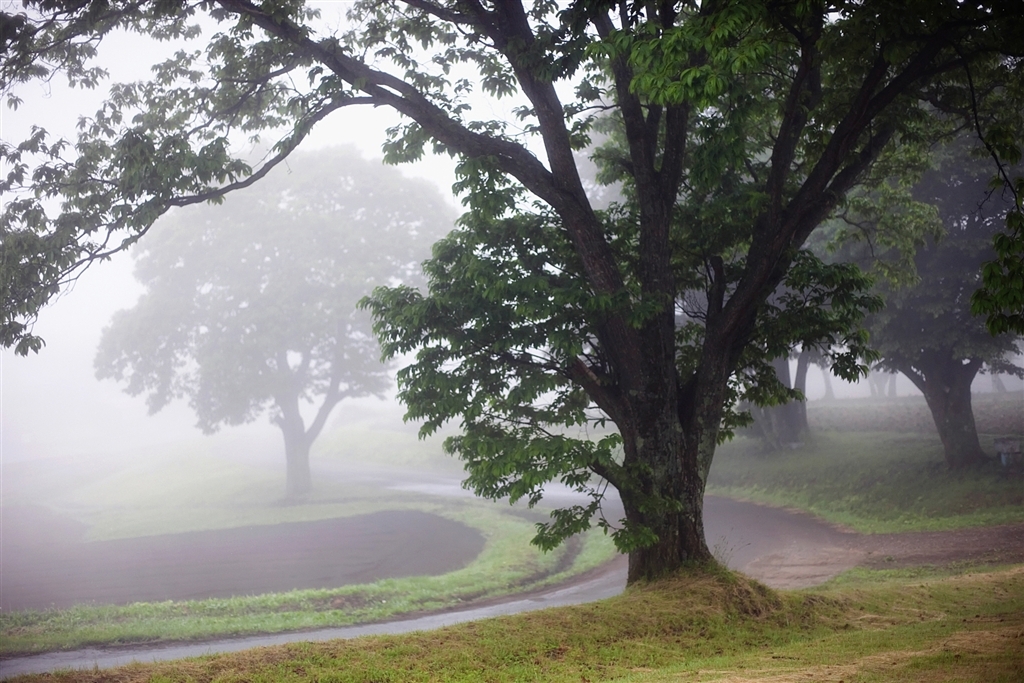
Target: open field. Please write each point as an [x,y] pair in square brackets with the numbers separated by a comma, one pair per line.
[870,482]
[874,482]
[694,627]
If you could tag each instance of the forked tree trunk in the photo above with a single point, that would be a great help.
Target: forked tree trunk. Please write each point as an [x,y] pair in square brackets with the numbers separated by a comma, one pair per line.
[946,385]
[298,439]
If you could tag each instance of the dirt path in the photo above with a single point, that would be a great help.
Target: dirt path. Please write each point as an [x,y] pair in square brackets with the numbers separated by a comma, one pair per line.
[788,549]
[44,562]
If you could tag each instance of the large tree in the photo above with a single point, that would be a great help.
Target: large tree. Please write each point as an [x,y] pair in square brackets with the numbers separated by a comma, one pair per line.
[742,125]
[926,331]
[250,307]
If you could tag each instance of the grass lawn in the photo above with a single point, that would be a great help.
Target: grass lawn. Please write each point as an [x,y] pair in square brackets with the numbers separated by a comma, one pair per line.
[870,482]
[694,627]
[876,466]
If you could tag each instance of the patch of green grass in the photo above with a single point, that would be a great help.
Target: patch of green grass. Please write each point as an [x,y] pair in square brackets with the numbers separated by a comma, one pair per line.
[696,626]
[870,482]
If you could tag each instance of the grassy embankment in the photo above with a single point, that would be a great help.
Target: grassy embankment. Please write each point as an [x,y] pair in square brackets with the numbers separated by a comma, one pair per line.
[695,627]
[877,466]
[173,494]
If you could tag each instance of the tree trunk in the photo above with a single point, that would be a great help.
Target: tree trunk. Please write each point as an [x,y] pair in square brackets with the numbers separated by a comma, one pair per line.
[669,502]
[296,452]
[946,385]
[875,384]
[803,363]
[297,479]
[783,425]
[954,418]
[826,377]
[662,481]
[680,532]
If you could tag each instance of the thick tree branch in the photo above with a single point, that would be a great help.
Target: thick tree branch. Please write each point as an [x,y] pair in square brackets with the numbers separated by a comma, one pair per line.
[567,198]
[779,234]
[442,13]
[301,130]
[604,395]
[803,98]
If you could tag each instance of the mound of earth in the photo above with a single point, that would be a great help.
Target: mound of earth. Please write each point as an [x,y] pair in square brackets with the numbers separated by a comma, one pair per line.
[45,563]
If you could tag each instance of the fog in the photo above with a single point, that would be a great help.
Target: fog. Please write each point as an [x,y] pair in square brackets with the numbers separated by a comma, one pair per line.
[52,407]
[62,430]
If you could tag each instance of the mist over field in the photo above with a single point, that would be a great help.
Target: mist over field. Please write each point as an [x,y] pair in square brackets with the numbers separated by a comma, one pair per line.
[647,230]
[51,406]
[53,411]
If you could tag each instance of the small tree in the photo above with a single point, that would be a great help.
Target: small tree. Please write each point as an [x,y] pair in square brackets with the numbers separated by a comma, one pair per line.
[250,307]
[927,331]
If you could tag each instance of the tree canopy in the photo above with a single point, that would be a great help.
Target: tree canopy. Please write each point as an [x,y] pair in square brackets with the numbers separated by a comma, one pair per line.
[738,127]
[250,307]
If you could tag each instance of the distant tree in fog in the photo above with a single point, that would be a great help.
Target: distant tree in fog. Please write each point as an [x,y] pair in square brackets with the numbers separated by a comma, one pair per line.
[250,307]
[926,331]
